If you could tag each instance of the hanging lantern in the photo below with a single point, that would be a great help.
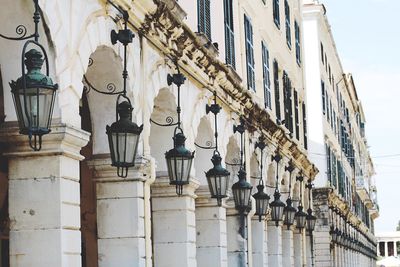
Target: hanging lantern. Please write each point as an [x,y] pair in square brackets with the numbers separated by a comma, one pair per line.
[218,179]
[277,207]
[262,200]
[300,218]
[310,221]
[289,213]
[241,191]
[123,138]
[179,162]
[34,96]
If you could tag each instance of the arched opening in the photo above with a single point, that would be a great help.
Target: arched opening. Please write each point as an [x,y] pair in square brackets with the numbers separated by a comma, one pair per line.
[232,161]
[164,112]
[96,110]
[88,194]
[202,161]
[255,172]
[271,179]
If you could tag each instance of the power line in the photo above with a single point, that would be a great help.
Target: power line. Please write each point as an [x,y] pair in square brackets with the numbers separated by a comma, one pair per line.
[387,156]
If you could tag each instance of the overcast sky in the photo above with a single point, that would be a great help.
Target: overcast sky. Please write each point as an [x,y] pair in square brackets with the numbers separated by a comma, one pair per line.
[367,36]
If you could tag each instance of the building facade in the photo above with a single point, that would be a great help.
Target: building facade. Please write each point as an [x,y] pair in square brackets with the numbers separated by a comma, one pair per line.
[65,205]
[345,194]
[388,244]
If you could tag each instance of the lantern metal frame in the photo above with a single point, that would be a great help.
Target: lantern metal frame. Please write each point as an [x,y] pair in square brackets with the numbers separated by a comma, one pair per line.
[289,211]
[310,219]
[217,177]
[38,84]
[261,198]
[123,129]
[242,188]
[277,205]
[179,152]
[300,215]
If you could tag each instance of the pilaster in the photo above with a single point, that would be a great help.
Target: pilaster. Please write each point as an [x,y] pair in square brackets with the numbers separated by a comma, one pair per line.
[174,224]
[44,197]
[287,247]
[274,244]
[260,244]
[211,240]
[298,248]
[237,244]
[120,213]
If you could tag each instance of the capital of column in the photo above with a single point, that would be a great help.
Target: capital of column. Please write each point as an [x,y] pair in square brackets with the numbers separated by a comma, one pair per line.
[63,139]
[162,188]
[104,172]
[204,198]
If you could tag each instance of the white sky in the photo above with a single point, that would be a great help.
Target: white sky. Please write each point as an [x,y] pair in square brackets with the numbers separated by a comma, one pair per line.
[367,36]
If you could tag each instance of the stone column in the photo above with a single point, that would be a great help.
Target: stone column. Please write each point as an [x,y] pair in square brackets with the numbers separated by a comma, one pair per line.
[260,244]
[298,248]
[386,249]
[287,247]
[211,231]
[395,248]
[120,213]
[237,245]
[174,224]
[44,198]
[274,244]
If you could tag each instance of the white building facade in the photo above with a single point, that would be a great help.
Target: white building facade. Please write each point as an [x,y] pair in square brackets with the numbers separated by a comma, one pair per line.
[65,204]
[345,194]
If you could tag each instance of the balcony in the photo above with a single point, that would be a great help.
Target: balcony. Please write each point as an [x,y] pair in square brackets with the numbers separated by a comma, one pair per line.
[362,187]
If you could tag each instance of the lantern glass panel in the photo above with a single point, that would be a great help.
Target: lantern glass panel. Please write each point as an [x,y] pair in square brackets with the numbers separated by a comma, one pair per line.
[179,169]
[289,213]
[310,224]
[300,218]
[241,197]
[34,114]
[123,148]
[218,185]
[277,212]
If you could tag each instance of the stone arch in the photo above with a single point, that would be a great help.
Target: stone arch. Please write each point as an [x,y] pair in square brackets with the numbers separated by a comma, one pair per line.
[160,138]
[255,173]
[202,161]
[232,160]
[271,177]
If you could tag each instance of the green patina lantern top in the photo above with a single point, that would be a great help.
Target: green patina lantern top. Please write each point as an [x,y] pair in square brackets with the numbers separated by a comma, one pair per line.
[34,77]
[242,183]
[217,170]
[179,149]
[124,124]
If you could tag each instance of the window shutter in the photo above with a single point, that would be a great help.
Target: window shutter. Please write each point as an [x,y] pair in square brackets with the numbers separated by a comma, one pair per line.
[266,78]
[287,25]
[304,126]
[229,34]
[296,115]
[204,17]
[323,96]
[276,91]
[249,53]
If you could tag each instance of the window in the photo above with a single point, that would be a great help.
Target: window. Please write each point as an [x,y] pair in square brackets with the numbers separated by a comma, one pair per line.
[323,96]
[275,10]
[296,115]
[266,78]
[203,15]
[303,107]
[297,42]
[328,163]
[330,74]
[287,99]
[322,54]
[229,34]
[287,24]
[276,91]
[248,31]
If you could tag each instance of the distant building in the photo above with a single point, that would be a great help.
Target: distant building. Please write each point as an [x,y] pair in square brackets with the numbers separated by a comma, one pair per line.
[345,193]
[388,244]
